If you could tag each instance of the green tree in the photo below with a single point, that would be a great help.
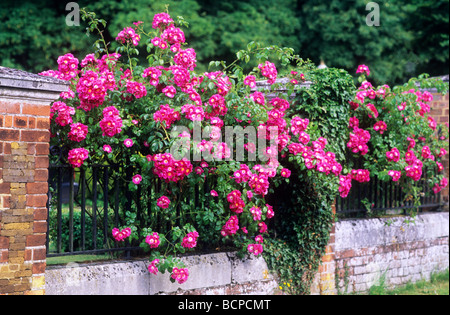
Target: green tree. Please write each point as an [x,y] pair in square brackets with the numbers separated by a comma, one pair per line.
[412,38]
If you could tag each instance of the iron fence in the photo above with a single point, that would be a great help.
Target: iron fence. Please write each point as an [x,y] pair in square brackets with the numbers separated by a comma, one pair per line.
[384,198]
[83,207]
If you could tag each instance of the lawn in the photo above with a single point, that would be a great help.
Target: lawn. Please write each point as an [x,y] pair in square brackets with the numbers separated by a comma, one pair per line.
[437,285]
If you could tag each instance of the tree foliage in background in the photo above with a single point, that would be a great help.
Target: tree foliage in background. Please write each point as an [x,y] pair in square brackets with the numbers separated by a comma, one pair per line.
[413,37]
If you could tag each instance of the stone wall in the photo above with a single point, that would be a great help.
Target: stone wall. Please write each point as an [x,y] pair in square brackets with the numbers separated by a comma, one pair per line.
[212,274]
[24,144]
[364,252]
[369,250]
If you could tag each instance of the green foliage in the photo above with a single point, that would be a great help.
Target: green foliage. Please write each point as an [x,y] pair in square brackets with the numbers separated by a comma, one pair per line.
[412,39]
[305,204]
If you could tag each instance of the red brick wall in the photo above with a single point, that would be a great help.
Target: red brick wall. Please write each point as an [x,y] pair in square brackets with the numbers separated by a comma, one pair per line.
[440,112]
[24,146]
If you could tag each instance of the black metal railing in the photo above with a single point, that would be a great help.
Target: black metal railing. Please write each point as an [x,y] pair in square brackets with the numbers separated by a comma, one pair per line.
[383,198]
[84,205]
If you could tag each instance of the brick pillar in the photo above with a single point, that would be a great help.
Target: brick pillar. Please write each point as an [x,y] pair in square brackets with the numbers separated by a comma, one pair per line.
[24,146]
[324,282]
[440,112]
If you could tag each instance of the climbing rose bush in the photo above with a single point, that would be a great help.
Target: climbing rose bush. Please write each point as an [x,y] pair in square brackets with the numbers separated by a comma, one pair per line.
[118,111]
[392,132]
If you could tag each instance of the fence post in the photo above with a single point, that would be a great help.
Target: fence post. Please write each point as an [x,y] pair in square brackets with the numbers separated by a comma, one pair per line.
[24,146]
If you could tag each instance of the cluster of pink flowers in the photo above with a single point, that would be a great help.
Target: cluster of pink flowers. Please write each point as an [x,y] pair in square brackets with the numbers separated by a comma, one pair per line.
[64,113]
[280,104]
[231,226]
[380,126]
[296,76]
[373,110]
[256,213]
[235,200]
[166,115]
[426,153]
[193,112]
[259,184]
[393,155]
[358,141]
[315,156]
[111,124]
[362,176]
[169,169]
[181,275]
[221,81]
[158,42]
[244,174]
[250,80]
[304,138]
[345,184]
[414,169]
[298,125]
[217,106]
[269,71]
[121,235]
[255,249]
[395,175]
[152,73]
[161,20]
[78,132]
[432,123]
[353,123]
[68,66]
[441,185]
[163,202]
[152,268]
[190,240]
[181,75]
[363,69]
[91,90]
[186,58]
[221,151]
[169,91]
[153,240]
[128,34]
[78,156]
[173,35]
[258,98]
[136,88]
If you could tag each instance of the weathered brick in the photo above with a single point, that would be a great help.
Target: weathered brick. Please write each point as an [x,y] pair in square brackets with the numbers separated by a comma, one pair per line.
[37,188]
[42,148]
[43,123]
[41,175]
[36,110]
[36,240]
[20,122]
[41,162]
[4,242]
[37,200]
[9,135]
[9,108]
[40,214]
[4,188]
[40,227]
[35,136]
[8,123]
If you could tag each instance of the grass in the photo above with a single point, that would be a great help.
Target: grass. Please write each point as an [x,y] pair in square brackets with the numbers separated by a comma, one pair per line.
[437,285]
[62,260]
